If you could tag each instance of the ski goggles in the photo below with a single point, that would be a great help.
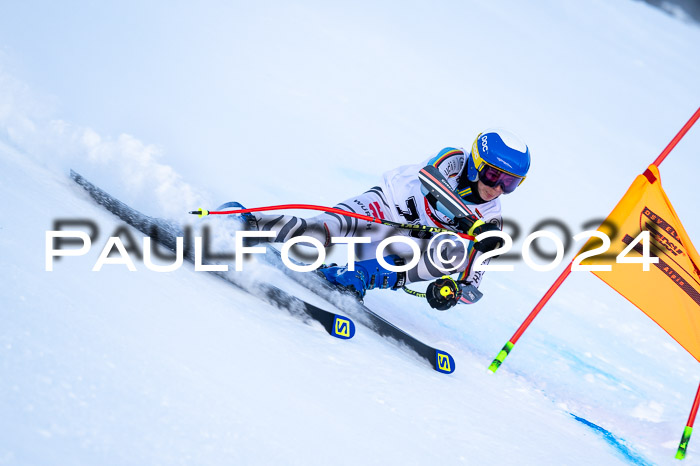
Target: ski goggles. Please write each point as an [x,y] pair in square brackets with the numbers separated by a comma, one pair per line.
[492,177]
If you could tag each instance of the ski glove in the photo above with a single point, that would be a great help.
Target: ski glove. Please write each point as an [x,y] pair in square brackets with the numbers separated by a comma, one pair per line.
[443,293]
[487,244]
[474,227]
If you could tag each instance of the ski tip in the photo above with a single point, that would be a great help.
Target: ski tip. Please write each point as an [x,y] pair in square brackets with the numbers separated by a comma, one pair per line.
[444,362]
[343,328]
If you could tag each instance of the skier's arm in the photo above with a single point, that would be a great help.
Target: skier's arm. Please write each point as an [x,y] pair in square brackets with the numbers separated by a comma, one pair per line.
[470,279]
[468,274]
[439,182]
[442,194]
[450,162]
[466,286]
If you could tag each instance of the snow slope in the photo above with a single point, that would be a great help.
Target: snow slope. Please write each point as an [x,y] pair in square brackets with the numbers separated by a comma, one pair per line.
[175,108]
[114,367]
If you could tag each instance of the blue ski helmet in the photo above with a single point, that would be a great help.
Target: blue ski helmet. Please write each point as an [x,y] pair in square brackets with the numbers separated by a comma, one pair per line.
[498,157]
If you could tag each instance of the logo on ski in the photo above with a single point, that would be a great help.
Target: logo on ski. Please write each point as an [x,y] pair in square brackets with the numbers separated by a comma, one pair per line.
[444,362]
[343,328]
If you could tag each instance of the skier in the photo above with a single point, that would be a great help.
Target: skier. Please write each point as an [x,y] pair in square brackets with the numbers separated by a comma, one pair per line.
[457,190]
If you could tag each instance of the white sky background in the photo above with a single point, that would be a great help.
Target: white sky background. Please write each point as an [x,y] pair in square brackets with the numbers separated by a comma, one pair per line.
[315,101]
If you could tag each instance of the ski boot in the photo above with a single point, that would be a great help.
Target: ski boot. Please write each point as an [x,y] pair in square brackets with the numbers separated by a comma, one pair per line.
[368,274]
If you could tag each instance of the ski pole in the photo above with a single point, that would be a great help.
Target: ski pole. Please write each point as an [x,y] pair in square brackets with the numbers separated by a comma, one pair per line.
[406,226]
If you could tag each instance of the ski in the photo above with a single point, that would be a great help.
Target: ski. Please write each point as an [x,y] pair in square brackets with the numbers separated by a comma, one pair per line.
[440,360]
[166,234]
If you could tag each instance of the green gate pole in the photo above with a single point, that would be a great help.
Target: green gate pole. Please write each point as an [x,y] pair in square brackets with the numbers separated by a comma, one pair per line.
[680,454]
